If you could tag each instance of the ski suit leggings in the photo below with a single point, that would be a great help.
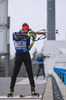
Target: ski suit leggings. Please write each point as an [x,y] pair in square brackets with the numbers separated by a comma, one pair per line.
[22,57]
[41,66]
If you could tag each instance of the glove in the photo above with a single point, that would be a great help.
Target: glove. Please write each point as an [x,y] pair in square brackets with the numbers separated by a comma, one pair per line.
[34,36]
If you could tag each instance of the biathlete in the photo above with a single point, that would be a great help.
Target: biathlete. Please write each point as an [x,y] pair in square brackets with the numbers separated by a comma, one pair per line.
[22,46]
[41,59]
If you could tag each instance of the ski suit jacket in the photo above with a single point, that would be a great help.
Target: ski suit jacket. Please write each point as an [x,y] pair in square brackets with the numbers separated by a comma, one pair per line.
[22,43]
[40,60]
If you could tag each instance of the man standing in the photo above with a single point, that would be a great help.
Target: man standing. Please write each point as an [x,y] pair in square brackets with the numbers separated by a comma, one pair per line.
[22,46]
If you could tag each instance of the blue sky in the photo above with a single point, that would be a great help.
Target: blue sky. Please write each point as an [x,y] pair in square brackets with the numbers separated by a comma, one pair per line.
[34,12]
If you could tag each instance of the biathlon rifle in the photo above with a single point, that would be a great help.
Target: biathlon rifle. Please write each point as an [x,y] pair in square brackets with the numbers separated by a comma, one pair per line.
[46,56]
[42,32]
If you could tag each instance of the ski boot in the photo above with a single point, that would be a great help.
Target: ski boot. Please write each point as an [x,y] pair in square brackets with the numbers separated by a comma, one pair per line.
[33,92]
[10,94]
[22,95]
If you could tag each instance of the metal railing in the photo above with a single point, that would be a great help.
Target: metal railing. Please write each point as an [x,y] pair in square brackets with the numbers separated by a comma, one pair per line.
[61,74]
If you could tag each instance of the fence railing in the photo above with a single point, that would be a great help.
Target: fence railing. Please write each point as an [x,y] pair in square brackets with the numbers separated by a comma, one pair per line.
[61,74]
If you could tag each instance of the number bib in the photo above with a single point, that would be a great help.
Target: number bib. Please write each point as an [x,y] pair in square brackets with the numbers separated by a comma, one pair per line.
[20,44]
